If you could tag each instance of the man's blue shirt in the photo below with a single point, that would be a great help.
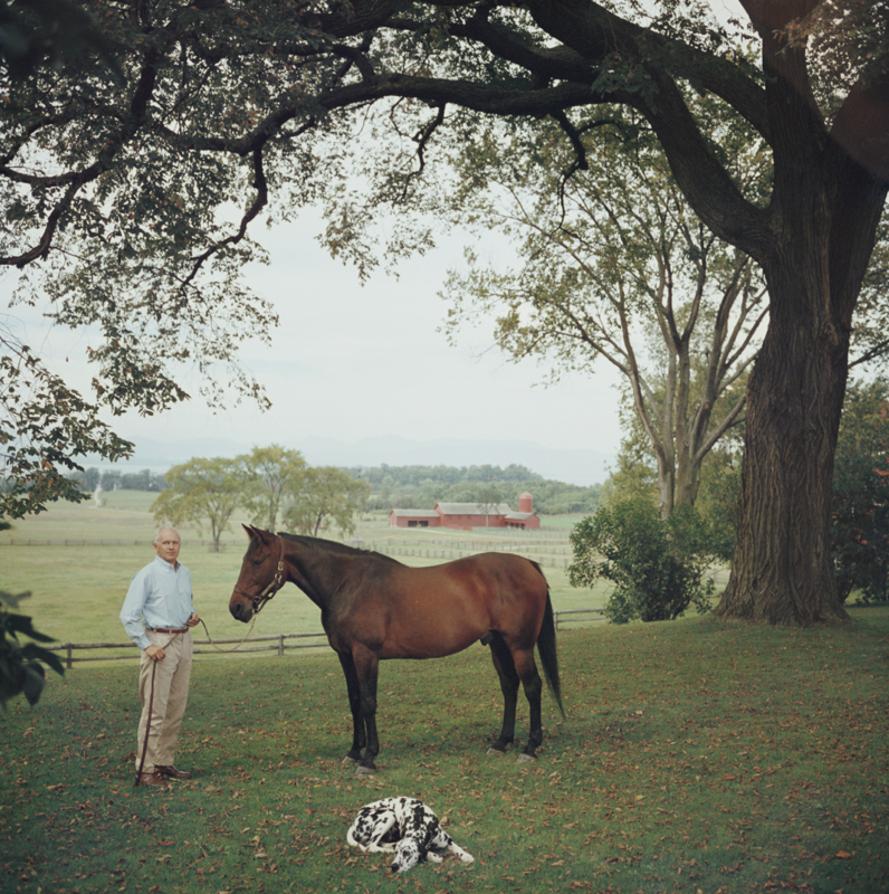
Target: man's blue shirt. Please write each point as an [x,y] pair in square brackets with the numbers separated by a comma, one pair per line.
[159,596]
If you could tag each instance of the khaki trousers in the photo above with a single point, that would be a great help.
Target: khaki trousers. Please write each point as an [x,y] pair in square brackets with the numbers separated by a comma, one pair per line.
[170,698]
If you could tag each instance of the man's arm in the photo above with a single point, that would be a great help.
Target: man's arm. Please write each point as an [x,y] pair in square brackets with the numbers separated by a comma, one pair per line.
[131,612]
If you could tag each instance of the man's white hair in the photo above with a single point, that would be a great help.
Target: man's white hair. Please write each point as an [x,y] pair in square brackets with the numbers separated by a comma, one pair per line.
[160,530]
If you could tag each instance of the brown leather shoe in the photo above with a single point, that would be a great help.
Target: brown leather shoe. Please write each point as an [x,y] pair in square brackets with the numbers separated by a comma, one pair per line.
[172,772]
[154,779]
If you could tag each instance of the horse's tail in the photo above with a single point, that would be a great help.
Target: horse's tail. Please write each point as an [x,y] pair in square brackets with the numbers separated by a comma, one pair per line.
[546,646]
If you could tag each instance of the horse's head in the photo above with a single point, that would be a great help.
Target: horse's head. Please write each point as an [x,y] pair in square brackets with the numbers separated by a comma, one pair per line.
[262,574]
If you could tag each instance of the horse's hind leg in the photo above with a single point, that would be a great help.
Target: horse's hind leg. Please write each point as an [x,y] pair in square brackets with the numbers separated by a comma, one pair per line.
[358,738]
[509,684]
[527,671]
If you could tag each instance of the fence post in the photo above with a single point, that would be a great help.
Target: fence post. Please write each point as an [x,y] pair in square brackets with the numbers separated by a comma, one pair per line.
[70,655]
[281,644]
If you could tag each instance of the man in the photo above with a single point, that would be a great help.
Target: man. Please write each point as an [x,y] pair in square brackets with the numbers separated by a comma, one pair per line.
[157,614]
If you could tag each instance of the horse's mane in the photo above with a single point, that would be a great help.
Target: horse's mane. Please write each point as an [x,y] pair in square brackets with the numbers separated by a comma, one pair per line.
[333,546]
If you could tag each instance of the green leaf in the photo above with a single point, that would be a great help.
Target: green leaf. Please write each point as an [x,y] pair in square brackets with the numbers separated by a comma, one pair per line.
[33,680]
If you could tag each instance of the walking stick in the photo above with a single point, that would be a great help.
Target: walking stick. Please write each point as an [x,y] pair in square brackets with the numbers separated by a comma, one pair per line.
[138,780]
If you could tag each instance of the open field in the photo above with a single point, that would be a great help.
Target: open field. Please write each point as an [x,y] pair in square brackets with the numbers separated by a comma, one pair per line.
[696,756]
[77,560]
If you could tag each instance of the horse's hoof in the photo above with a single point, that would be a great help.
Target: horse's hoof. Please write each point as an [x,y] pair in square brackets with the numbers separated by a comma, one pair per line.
[498,752]
[349,761]
[524,758]
[362,770]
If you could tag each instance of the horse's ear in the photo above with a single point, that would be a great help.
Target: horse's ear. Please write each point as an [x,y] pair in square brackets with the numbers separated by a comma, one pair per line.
[251,531]
[263,536]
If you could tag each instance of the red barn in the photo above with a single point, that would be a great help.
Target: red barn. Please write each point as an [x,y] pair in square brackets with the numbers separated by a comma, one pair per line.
[468,515]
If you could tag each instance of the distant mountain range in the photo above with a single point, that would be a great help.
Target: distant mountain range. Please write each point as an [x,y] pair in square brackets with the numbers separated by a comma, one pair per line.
[572,465]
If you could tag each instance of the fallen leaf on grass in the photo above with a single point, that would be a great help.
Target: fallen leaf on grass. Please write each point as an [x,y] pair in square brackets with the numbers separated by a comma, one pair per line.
[843,855]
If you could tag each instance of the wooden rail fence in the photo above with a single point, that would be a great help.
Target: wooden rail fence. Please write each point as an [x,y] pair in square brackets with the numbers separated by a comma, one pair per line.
[278,643]
[546,554]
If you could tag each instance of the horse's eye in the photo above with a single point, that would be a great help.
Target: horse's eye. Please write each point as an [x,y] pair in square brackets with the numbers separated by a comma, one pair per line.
[256,562]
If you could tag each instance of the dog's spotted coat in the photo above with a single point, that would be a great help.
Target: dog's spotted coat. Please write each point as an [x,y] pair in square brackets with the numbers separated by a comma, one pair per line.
[405,827]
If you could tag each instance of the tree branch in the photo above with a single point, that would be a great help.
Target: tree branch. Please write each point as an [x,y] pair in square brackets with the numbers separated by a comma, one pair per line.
[594,33]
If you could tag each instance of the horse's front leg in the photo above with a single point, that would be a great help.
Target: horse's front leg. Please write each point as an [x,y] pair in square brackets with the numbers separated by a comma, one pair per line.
[358,739]
[366,668]
[509,685]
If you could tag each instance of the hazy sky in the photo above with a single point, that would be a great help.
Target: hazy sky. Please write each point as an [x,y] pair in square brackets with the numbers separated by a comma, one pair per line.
[351,362]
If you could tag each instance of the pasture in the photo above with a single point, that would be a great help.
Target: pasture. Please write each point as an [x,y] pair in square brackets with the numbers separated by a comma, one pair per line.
[77,560]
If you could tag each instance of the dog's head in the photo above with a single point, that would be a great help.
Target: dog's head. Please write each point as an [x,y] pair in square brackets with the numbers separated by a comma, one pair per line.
[407,855]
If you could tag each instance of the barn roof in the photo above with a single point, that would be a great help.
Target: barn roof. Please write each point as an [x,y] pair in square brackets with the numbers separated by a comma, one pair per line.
[415,513]
[473,509]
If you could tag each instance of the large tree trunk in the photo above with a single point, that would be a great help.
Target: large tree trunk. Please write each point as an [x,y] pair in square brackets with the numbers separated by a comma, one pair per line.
[782,568]
[781,571]
[823,216]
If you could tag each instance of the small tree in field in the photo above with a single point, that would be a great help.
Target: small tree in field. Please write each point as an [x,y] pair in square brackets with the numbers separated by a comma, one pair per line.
[203,491]
[328,495]
[271,477]
[658,566]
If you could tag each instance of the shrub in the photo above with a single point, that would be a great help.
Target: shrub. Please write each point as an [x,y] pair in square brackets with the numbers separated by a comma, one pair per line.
[658,566]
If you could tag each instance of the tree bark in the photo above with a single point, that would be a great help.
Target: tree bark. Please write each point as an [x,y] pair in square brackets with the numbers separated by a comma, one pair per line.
[781,570]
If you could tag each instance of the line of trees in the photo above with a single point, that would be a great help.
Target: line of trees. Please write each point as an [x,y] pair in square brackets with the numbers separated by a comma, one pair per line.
[405,487]
[269,484]
[418,487]
[113,479]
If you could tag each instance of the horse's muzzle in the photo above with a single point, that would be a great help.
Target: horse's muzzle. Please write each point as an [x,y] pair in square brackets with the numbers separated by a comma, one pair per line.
[240,612]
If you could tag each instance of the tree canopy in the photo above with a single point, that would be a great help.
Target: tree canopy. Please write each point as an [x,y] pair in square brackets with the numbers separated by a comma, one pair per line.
[328,496]
[271,477]
[203,491]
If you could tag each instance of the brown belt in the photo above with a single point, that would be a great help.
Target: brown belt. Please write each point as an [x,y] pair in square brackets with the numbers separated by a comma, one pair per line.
[168,629]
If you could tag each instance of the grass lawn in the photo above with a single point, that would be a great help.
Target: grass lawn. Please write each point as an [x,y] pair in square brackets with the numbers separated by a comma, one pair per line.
[696,756]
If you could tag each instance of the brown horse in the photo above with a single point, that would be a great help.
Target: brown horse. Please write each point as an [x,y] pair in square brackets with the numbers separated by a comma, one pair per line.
[374,607]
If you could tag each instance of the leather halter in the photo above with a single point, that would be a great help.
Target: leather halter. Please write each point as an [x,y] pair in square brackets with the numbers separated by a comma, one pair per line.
[278,581]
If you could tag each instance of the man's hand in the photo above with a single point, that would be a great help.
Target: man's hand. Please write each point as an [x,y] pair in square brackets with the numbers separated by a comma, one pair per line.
[155,653]
[193,620]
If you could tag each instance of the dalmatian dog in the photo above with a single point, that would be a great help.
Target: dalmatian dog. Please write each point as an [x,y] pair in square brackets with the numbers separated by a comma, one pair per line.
[405,827]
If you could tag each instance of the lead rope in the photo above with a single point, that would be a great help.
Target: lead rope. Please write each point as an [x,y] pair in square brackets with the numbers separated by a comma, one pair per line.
[238,646]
